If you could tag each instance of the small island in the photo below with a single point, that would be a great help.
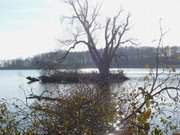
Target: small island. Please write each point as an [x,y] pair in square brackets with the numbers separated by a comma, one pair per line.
[75,77]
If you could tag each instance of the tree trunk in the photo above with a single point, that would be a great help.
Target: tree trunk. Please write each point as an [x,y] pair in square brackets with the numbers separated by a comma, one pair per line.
[103,81]
[102,63]
[104,70]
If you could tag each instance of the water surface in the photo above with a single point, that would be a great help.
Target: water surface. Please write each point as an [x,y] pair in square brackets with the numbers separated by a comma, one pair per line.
[14,85]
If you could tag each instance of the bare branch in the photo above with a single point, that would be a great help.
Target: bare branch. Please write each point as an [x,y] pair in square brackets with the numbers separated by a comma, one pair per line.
[106,32]
[114,32]
[43,98]
[72,47]
[131,41]
[121,34]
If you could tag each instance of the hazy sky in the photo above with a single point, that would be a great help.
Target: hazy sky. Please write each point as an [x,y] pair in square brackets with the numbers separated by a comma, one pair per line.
[29,27]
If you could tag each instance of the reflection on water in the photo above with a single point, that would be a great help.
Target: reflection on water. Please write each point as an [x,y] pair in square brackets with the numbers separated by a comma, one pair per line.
[14,85]
[13,82]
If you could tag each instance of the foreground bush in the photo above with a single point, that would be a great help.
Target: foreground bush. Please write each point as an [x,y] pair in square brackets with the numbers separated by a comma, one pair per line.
[84,111]
[88,110]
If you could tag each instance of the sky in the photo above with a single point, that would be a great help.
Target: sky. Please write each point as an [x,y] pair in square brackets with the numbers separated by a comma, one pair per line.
[30,27]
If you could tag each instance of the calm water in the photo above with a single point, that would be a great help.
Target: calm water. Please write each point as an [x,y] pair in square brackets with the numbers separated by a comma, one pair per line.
[14,85]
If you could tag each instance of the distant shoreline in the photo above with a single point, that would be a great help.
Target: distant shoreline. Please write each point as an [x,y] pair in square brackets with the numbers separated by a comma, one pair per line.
[19,69]
[65,68]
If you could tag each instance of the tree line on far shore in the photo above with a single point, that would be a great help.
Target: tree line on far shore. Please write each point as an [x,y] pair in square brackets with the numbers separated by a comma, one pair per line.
[126,57]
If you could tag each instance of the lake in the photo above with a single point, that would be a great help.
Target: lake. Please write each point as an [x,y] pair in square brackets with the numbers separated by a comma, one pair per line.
[14,85]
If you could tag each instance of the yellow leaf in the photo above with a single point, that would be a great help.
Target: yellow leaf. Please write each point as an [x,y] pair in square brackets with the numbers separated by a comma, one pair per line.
[173,68]
[147,114]
[146,78]
[146,66]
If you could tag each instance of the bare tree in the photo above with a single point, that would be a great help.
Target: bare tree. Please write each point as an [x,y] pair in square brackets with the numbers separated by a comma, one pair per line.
[114,31]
